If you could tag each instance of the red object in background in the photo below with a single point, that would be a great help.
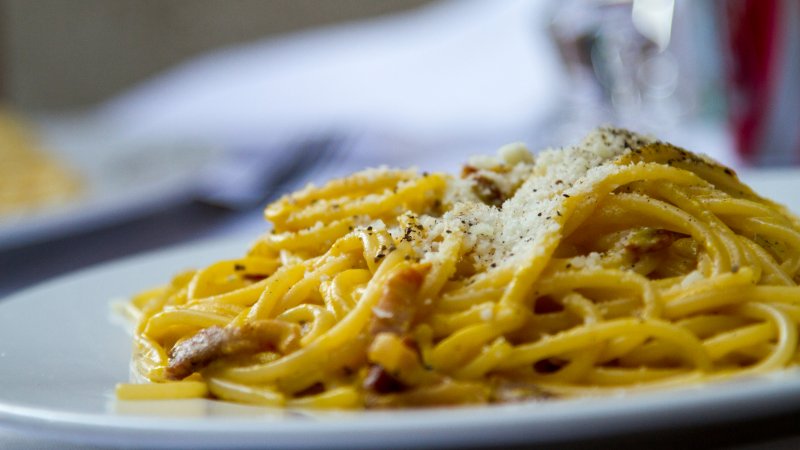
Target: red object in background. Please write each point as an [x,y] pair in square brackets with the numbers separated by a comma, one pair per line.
[762,42]
[751,35]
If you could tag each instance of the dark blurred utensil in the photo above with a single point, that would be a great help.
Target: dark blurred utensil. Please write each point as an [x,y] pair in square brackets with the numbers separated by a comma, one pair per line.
[248,177]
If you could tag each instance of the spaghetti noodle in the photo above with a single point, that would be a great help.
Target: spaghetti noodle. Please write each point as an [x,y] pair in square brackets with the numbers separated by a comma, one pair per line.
[621,263]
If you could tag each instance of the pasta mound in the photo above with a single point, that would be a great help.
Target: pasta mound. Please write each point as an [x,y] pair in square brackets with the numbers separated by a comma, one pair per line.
[623,263]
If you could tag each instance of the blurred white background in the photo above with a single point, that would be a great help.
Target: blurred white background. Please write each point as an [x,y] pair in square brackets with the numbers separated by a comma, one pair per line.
[185,118]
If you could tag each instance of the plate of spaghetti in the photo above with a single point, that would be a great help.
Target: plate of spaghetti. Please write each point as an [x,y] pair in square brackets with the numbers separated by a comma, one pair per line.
[590,290]
[61,177]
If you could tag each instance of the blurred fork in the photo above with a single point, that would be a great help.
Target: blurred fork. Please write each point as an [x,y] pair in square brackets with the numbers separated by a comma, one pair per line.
[249,177]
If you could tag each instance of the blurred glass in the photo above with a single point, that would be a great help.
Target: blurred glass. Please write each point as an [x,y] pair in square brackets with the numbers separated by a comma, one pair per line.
[643,64]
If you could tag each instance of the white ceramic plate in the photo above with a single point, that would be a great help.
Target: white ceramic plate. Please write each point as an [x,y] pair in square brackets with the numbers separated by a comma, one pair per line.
[61,353]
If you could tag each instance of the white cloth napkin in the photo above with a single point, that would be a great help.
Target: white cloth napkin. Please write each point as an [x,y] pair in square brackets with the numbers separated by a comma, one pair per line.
[448,74]
[429,87]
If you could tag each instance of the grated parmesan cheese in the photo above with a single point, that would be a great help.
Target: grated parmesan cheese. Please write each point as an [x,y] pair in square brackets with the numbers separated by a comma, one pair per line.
[517,230]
